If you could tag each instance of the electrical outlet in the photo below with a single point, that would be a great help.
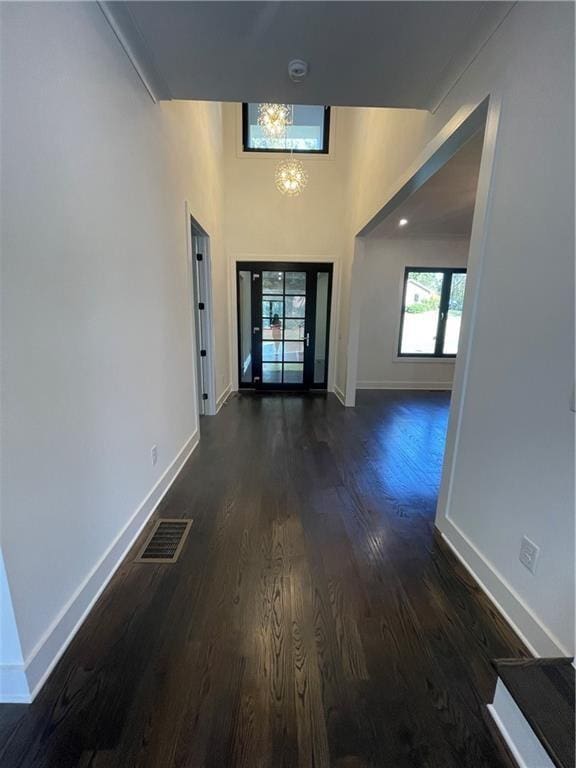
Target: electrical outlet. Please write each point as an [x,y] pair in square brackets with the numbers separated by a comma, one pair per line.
[154,455]
[529,554]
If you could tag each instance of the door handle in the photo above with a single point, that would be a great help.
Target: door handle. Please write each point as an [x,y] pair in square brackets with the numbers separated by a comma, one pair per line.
[255,329]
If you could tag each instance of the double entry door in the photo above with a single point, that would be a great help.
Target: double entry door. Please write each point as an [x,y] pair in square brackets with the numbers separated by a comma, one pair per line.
[283,325]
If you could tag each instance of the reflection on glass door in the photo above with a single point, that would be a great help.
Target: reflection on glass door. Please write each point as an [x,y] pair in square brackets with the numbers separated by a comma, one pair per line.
[322,327]
[289,308]
[245,329]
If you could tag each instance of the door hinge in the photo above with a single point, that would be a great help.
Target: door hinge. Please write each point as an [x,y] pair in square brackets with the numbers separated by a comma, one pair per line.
[202,353]
[200,305]
[204,396]
[255,277]
[199,257]
[256,378]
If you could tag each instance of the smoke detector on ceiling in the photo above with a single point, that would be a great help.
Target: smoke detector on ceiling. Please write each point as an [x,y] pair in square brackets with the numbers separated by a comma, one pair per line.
[297,70]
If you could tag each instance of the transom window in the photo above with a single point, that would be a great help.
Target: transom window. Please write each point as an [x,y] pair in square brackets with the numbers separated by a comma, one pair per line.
[308,130]
[432,303]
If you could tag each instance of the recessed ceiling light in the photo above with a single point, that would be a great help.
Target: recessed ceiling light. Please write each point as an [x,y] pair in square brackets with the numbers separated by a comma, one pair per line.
[402,222]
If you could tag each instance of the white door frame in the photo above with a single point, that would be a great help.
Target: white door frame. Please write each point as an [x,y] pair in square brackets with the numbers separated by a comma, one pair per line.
[204,369]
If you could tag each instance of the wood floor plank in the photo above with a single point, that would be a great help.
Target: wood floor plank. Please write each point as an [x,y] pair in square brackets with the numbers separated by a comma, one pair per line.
[313,750]
[313,620]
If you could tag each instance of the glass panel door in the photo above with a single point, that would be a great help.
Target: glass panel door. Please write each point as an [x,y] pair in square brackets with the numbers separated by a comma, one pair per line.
[283,325]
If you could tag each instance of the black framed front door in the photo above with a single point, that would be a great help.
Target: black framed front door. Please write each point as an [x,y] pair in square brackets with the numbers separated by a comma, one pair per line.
[283,325]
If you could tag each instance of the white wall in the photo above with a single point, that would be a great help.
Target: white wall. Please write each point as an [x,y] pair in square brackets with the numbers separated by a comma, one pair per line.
[260,220]
[261,223]
[385,260]
[96,318]
[514,456]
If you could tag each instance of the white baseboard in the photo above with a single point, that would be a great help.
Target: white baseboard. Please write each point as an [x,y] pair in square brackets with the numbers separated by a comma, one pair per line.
[525,746]
[223,397]
[43,658]
[537,637]
[435,385]
[339,394]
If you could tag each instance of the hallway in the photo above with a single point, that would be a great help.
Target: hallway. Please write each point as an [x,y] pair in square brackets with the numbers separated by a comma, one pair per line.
[313,618]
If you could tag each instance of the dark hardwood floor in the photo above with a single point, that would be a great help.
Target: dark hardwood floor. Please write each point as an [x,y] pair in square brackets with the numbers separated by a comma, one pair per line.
[313,619]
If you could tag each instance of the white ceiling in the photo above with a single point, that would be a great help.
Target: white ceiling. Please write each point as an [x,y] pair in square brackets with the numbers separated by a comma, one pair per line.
[444,205]
[393,54]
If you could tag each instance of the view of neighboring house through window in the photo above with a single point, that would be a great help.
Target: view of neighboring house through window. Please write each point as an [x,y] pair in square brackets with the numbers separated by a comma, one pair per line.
[431,312]
[308,130]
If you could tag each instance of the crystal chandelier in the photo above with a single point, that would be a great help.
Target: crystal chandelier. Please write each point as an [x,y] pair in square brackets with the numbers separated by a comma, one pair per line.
[273,119]
[291,177]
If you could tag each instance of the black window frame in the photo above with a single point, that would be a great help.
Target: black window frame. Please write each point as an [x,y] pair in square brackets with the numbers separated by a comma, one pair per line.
[312,269]
[442,312]
[325,137]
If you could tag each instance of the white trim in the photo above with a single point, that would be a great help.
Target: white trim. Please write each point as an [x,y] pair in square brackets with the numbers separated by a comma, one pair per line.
[209,343]
[506,736]
[339,394]
[435,385]
[516,731]
[57,637]
[356,291]
[192,312]
[126,30]
[334,325]
[537,637]
[468,323]
[194,230]
[223,397]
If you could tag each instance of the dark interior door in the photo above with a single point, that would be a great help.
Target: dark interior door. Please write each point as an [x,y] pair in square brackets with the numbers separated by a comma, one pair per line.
[285,344]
